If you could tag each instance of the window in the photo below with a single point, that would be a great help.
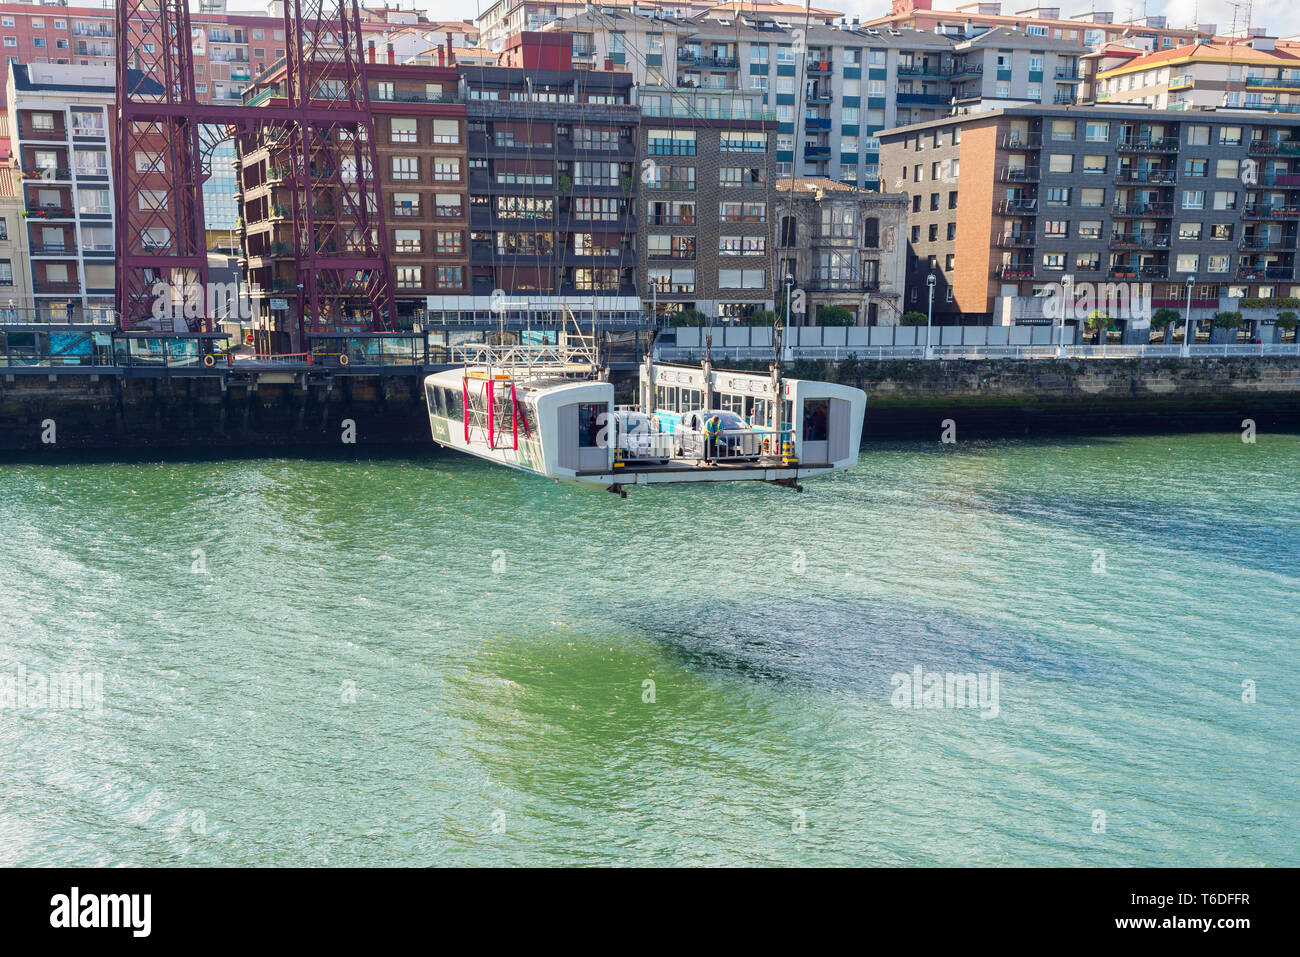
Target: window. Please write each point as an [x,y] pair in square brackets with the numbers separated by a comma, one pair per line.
[742,212]
[1194,167]
[1060,163]
[1096,132]
[401,130]
[743,142]
[1226,169]
[871,232]
[1229,135]
[1062,129]
[1217,263]
[952,199]
[1193,199]
[1189,232]
[1056,228]
[588,138]
[742,245]
[671,142]
[1087,262]
[607,210]
[448,242]
[1094,164]
[742,278]
[671,213]
[1092,197]
[671,177]
[679,281]
[1186,262]
[664,246]
[451,277]
[406,167]
[409,277]
[446,168]
[1221,232]
[407,241]
[1225,199]
[1090,229]
[1053,260]
[447,205]
[1198,135]
[730,176]
[406,204]
[446,131]
[1058,196]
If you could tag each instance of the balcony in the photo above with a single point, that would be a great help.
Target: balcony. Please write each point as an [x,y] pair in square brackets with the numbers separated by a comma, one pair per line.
[1014,241]
[1264,274]
[819,67]
[1148,145]
[1019,271]
[1139,241]
[1183,82]
[1272,107]
[1159,177]
[1067,73]
[49,212]
[54,249]
[1018,207]
[55,287]
[1280,179]
[1065,99]
[700,61]
[963,70]
[817,124]
[819,95]
[918,69]
[1264,243]
[1143,209]
[1018,174]
[1267,147]
[921,99]
[1022,141]
[816,152]
[46,173]
[1274,82]
[42,134]
[1269,211]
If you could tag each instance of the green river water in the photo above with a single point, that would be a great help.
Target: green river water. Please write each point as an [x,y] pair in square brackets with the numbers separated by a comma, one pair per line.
[419,658]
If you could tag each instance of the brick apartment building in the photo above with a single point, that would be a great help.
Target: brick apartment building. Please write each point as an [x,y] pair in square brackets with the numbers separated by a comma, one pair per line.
[706,190]
[420,139]
[552,184]
[1100,195]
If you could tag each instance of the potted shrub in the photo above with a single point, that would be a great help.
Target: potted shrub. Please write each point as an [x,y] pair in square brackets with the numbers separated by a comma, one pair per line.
[1164,319]
[1229,322]
[834,316]
[1099,321]
[1286,322]
[912,319]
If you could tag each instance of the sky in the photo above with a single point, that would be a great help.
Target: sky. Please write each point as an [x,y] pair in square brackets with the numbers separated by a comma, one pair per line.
[1281,17]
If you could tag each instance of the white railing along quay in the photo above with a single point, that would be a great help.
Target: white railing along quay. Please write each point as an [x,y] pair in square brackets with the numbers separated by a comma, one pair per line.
[742,353]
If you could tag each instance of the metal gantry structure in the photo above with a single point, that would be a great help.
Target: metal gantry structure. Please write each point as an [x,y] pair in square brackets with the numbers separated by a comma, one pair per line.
[317,122]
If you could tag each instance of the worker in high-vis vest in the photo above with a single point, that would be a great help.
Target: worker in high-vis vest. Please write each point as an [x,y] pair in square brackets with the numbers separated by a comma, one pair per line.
[712,429]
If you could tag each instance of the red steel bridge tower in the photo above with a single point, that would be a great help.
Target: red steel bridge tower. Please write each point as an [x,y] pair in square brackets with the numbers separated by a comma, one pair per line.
[318,120]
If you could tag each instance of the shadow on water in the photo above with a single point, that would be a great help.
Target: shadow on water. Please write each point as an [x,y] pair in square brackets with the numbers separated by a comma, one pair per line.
[838,644]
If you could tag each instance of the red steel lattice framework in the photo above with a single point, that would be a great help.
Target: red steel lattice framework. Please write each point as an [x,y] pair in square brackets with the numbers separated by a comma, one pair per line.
[321,117]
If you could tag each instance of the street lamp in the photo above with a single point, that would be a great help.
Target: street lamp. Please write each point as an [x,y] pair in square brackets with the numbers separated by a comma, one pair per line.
[789,285]
[929,316]
[1066,282]
[1187,319]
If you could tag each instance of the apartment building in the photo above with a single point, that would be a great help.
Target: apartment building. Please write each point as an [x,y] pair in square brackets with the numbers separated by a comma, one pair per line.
[706,191]
[59,124]
[15,264]
[504,18]
[1206,197]
[420,139]
[1090,28]
[1253,74]
[842,246]
[552,206]
[1003,66]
